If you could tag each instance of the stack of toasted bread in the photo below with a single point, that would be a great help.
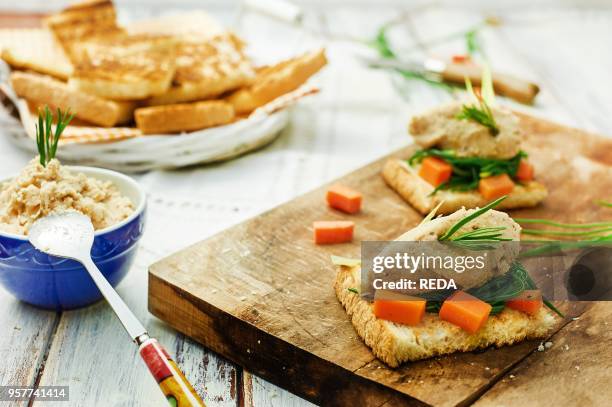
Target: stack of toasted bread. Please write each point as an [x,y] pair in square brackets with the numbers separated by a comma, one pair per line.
[159,76]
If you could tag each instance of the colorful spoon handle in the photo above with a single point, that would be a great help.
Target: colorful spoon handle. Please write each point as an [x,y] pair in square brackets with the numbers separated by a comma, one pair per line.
[171,381]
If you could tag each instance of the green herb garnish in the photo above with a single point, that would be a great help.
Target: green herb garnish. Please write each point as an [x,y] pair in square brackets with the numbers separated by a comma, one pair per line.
[382,45]
[462,222]
[496,291]
[480,111]
[472,43]
[353,290]
[468,171]
[563,225]
[601,202]
[566,233]
[46,139]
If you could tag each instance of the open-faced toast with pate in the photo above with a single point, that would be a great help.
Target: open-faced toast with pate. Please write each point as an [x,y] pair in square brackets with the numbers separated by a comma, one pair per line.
[469,154]
[471,317]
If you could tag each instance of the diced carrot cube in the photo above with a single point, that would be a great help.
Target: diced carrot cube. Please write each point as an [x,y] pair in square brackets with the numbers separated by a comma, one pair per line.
[525,171]
[460,58]
[344,198]
[335,231]
[465,311]
[435,170]
[495,186]
[409,312]
[530,302]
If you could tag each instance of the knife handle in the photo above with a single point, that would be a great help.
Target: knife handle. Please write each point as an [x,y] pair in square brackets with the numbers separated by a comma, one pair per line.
[170,379]
[505,85]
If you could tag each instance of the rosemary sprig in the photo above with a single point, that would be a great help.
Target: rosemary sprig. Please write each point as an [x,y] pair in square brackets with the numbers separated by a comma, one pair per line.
[549,222]
[566,233]
[431,214]
[382,44]
[468,171]
[480,112]
[46,139]
[472,42]
[489,234]
[462,222]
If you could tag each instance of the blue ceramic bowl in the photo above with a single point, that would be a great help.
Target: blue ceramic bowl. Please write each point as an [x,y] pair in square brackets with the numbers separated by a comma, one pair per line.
[55,283]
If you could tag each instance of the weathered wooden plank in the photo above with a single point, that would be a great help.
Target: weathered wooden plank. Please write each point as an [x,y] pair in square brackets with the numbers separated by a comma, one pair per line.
[260,293]
[260,393]
[574,370]
[25,336]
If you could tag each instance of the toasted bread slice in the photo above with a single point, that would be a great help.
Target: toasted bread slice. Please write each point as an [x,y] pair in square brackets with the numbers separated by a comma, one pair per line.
[124,67]
[44,90]
[274,81]
[206,68]
[35,49]
[132,77]
[397,343]
[416,191]
[183,117]
[121,45]
[82,21]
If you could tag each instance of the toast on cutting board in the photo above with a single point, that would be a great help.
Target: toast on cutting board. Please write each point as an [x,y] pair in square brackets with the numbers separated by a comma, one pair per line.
[464,147]
[407,183]
[395,343]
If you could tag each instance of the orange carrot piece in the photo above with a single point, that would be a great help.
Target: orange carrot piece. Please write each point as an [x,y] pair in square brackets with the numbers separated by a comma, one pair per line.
[334,231]
[460,58]
[525,171]
[465,311]
[435,170]
[529,302]
[409,312]
[495,186]
[344,198]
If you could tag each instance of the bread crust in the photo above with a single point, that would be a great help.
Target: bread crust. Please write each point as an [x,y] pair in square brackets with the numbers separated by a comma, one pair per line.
[183,117]
[35,49]
[44,90]
[274,81]
[396,343]
[81,21]
[414,190]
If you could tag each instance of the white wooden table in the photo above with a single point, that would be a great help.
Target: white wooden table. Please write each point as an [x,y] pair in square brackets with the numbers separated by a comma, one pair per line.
[359,116]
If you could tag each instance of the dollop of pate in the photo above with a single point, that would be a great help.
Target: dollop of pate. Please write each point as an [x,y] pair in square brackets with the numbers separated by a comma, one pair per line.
[440,128]
[39,191]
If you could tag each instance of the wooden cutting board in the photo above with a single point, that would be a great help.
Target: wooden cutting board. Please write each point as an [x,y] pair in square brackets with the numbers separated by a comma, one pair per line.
[260,293]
